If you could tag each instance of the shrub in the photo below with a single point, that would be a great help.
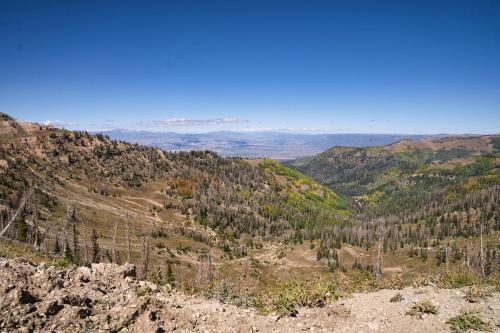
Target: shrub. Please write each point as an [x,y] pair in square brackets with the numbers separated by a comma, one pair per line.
[421,308]
[393,282]
[457,280]
[226,292]
[421,281]
[62,262]
[283,298]
[476,293]
[396,298]
[467,321]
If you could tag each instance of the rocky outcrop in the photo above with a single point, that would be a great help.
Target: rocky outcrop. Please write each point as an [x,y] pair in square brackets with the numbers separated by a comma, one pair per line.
[108,298]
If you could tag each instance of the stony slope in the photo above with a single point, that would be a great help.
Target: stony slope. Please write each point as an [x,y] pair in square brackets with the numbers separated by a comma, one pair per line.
[108,298]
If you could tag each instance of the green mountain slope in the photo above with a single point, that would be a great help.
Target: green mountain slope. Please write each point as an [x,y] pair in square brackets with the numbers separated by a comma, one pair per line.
[408,174]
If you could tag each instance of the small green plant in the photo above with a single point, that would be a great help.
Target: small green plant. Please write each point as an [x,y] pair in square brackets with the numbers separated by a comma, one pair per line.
[62,262]
[421,308]
[154,277]
[458,280]
[397,298]
[467,321]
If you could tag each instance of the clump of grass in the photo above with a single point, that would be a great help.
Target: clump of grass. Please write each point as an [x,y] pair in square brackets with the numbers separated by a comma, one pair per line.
[393,282]
[421,308]
[458,280]
[467,321]
[284,298]
[227,292]
[476,293]
[494,281]
[397,298]
[62,262]
[421,281]
[362,282]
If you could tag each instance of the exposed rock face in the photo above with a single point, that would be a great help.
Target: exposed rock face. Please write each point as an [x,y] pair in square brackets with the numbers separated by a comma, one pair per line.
[46,298]
[108,298]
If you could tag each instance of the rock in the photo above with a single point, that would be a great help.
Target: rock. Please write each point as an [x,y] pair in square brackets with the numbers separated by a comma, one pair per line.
[26,297]
[84,274]
[84,313]
[127,270]
[51,308]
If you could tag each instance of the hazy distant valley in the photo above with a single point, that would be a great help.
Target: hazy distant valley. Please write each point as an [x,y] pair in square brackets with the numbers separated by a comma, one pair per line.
[276,145]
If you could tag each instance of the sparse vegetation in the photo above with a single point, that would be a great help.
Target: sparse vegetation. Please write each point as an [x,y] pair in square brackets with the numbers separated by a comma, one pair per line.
[397,298]
[458,279]
[423,307]
[467,321]
[478,292]
[284,298]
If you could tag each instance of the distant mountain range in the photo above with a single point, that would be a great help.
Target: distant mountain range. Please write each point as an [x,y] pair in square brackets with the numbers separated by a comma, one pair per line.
[276,145]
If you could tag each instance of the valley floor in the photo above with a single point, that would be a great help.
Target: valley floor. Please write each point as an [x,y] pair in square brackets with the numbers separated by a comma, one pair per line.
[108,298]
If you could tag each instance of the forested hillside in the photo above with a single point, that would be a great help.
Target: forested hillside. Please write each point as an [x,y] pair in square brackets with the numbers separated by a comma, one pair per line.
[91,192]
[419,193]
[406,209]
[409,174]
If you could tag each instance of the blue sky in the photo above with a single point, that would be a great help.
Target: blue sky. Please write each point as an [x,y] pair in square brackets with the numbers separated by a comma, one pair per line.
[313,66]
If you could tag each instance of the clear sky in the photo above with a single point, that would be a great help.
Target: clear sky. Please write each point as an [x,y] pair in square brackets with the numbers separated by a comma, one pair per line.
[316,66]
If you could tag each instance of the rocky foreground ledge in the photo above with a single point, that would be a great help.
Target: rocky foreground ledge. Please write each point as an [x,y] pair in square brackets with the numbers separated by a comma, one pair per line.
[108,298]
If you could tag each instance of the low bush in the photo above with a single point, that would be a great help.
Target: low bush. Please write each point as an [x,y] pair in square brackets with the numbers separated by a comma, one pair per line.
[397,298]
[284,298]
[421,308]
[467,321]
[476,293]
[226,292]
[458,280]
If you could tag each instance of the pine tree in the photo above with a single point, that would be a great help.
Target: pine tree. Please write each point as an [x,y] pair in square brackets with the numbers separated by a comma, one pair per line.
[22,228]
[57,246]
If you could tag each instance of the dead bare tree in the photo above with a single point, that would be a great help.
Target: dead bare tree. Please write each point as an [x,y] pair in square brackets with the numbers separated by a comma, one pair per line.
[113,249]
[86,245]
[35,229]
[22,203]
[145,256]
[481,253]
[204,274]
[128,238]
[379,259]
[446,257]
